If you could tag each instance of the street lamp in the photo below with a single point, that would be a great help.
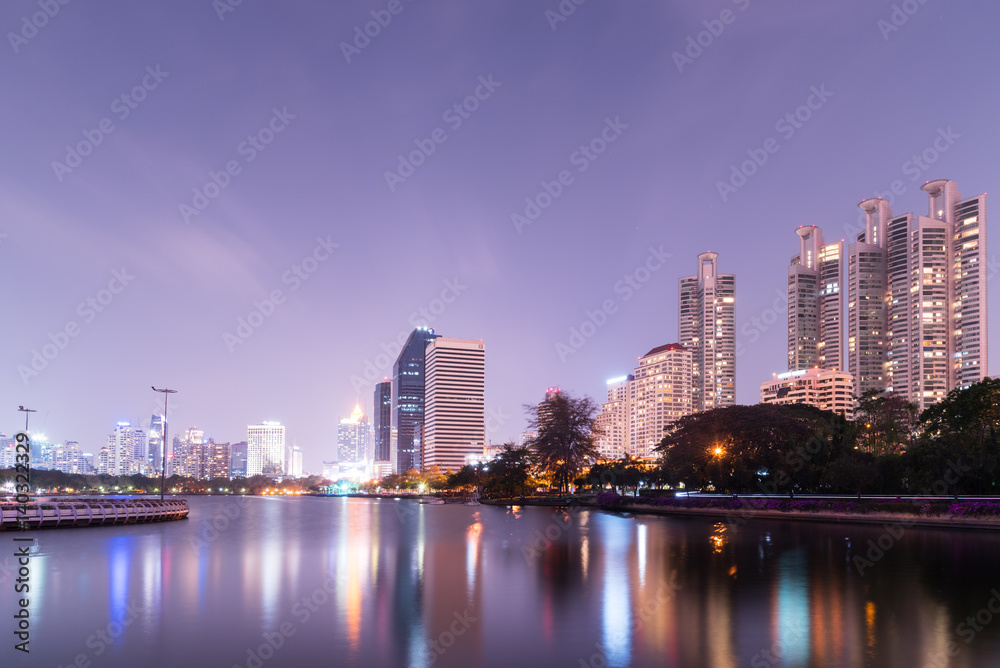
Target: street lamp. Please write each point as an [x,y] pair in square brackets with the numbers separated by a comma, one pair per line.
[26,411]
[163,440]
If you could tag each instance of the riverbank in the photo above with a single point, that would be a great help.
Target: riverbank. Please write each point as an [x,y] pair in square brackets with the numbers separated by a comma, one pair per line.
[982,515]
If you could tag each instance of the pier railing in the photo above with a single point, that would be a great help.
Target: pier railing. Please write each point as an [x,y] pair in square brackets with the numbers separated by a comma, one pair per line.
[90,512]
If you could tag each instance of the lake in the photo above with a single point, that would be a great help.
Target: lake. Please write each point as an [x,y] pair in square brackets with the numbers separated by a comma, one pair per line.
[266,581]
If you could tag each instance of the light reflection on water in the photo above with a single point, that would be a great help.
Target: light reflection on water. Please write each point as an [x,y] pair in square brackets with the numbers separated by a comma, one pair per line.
[393,583]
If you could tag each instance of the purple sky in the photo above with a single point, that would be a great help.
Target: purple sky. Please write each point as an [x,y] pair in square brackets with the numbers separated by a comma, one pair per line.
[448,226]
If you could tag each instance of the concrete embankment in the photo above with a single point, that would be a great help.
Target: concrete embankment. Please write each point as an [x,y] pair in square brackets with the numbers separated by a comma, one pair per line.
[89,512]
[741,516]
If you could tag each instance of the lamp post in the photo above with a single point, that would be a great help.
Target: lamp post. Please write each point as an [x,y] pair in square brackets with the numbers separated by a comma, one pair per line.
[163,440]
[26,411]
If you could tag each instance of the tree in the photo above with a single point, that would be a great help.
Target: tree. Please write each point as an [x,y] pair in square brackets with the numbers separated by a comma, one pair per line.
[885,422]
[508,474]
[566,440]
[965,425]
[765,447]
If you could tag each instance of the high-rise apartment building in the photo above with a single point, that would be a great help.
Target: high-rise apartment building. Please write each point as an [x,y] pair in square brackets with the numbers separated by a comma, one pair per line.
[917,323]
[826,389]
[661,394]
[613,420]
[121,446]
[815,303]
[265,449]
[408,398]
[867,322]
[455,419]
[352,437]
[642,405]
[218,458]
[382,421]
[707,327]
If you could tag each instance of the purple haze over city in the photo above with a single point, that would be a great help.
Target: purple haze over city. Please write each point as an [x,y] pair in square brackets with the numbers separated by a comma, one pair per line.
[288,144]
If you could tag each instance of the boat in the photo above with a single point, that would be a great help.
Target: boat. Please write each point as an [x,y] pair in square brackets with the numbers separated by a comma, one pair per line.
[432,502]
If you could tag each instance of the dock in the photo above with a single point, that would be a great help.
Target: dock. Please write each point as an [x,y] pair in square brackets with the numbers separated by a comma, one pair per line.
[90,512]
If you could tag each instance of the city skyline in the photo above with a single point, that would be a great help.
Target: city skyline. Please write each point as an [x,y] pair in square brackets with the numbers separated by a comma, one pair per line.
[550,214]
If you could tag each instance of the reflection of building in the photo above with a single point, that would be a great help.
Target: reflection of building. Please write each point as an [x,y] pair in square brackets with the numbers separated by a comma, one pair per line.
[825,389]
[815,303]
[454,423]
[408,398]
[707,327]
[265,449]
[613,420]
[352,437]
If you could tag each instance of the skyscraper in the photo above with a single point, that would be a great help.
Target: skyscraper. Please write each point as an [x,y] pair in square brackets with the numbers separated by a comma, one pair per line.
[382,421]
[661,394]
[121,449]
[815,303]
[155,449]
[455,424]
[265,449]
[867,335]
[613,420]
[917,297]
[238,460]
[408,398]
[707,327]
[352,436]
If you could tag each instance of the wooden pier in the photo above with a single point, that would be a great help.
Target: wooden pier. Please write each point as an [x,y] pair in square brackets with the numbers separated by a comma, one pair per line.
[90,512]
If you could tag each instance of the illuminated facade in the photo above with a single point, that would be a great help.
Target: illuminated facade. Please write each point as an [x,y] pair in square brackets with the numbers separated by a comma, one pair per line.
[455,420]
[352,437]
[925,278]
[867,322]
[408,399]
[613,420]
[382,421]
[815,303]
[661,393]
[123,444]
[265,449]
[826,389]
[707,327]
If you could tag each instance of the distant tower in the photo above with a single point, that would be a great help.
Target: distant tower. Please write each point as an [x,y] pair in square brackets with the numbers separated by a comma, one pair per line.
[707,327]
[265,449]
[382,421]
[917,322]
[455,423]
[408,398]
[867,322]
[815,303]
[352,436]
